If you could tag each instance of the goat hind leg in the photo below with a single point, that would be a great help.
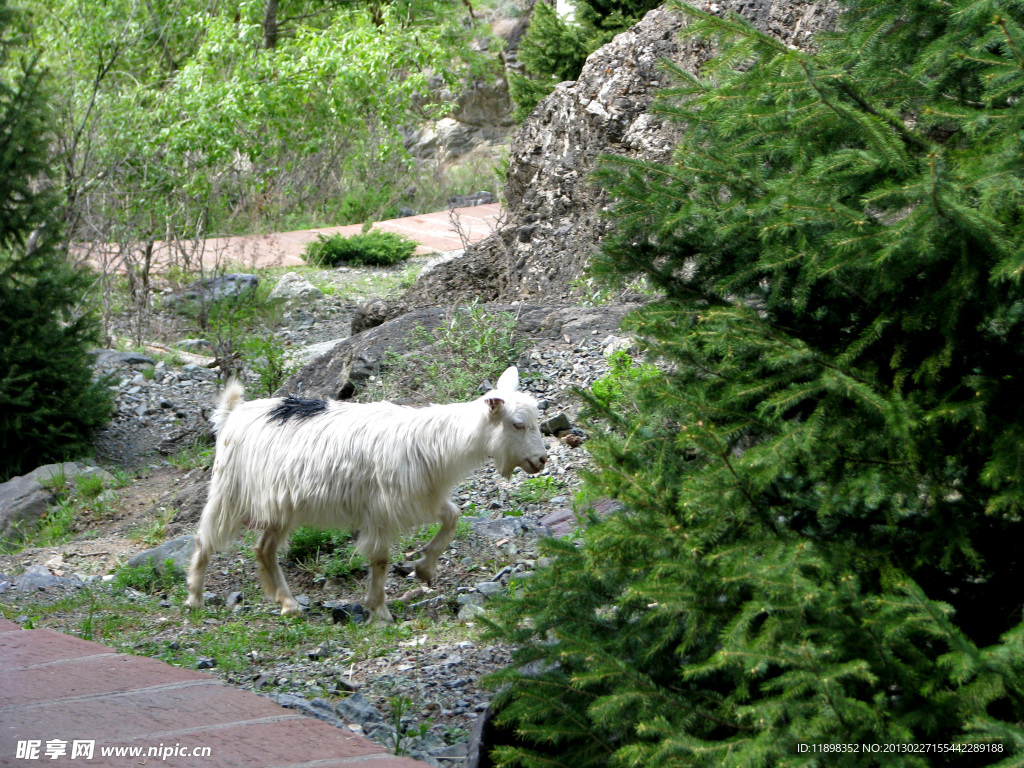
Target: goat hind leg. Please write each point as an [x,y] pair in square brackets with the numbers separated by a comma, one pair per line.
[271,575]
[426,565]
[375,603]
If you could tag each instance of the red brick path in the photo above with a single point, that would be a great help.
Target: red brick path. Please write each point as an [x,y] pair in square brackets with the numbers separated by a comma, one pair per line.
[58,688]
[435,232]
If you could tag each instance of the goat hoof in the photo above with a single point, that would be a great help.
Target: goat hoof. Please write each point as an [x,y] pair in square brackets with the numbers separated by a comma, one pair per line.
[291,609]
[425,573]
[381,615]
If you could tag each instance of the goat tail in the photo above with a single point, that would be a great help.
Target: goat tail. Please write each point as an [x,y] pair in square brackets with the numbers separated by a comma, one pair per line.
[230,398]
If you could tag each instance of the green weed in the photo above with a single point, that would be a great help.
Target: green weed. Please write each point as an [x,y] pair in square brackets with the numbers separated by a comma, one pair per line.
[89,486]
[330,553]
[154,531]
[55,526]
[535,490]
[451,361]
[268,359]
[148,578]
[56,481]
[192,457]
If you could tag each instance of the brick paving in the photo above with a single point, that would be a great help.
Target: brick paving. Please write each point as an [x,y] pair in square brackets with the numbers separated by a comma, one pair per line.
[56,689]
[435,232]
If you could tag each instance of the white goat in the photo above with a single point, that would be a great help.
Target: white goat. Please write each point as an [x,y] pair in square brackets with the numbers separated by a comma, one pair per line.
[378,468]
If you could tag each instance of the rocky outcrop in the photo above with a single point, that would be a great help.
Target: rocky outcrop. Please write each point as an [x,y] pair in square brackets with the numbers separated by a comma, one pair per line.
[554,211]
[351,363]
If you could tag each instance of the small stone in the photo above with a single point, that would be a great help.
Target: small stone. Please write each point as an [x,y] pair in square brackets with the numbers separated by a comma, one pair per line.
[555,424]
[206,662]
[233,600]
[470,612]
[344,613]
[262,680]
[488,588]
[322,651]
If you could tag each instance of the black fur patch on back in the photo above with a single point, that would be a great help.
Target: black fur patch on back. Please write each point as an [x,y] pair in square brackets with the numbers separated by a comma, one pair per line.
[296,408]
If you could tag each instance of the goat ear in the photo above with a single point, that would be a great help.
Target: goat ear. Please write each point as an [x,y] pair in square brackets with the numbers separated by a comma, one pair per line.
[494,401]
[509,381]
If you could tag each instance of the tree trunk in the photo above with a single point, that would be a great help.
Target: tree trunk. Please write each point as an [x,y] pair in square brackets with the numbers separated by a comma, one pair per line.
[270,24]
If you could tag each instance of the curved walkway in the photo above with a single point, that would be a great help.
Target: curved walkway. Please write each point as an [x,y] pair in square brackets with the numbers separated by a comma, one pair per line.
[435,232]
[70,702]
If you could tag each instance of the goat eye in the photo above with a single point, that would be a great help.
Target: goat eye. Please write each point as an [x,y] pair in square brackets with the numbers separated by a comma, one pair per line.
[518,425]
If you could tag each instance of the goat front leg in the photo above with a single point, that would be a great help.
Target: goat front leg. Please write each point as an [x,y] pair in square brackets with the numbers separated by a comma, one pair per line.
[426,565]
[197,573]
[271,574]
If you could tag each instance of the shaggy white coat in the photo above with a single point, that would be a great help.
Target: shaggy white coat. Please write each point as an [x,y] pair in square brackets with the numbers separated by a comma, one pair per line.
[377,468]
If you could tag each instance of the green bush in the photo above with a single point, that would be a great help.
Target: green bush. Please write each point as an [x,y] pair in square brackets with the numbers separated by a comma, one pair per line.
[269,360]
[374,248]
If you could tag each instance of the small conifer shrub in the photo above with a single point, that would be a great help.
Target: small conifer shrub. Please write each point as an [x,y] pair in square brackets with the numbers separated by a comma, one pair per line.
[372,248]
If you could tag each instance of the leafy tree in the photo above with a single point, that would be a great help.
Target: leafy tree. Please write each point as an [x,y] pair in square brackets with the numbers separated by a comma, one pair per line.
[49,404]
[824,486]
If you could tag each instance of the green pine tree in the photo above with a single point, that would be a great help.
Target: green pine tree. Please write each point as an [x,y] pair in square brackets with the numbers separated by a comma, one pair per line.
[824,487]
[49,403]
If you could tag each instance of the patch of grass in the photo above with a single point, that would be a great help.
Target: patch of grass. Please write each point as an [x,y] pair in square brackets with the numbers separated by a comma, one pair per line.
[147,578]
[89,486]
[372,248]
[330,553]
[534,490]
[154,531]
[56,482]
[56,526]
[448,363]
[419,536]
[86,494]
[192,457]
[122,477]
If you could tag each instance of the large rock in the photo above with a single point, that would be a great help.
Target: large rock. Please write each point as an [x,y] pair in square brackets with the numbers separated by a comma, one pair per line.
[292,288]
[554,211]
[214,289]
[348,366]
[26,498]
